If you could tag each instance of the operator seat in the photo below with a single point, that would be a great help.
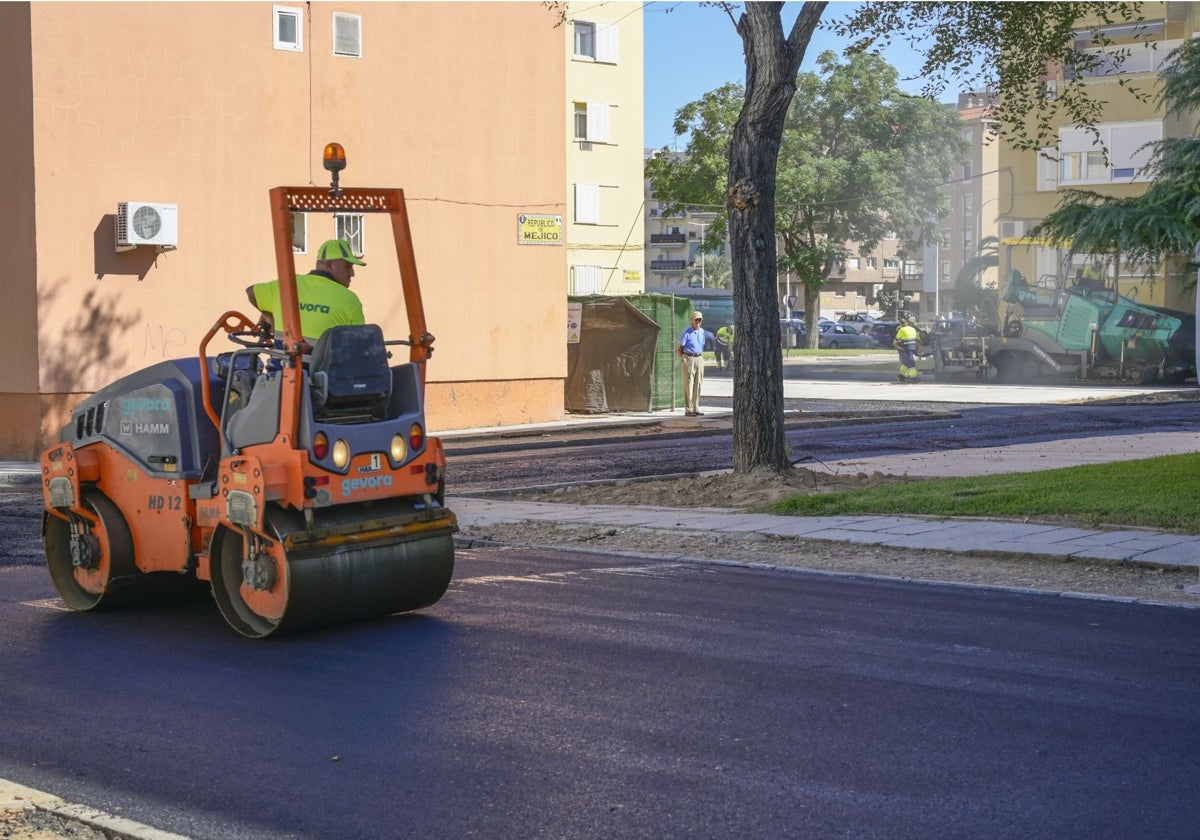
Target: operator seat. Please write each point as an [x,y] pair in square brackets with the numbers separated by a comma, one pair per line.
[351,378]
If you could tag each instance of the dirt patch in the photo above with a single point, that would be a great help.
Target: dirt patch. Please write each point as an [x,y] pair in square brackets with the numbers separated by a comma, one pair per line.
[756,491]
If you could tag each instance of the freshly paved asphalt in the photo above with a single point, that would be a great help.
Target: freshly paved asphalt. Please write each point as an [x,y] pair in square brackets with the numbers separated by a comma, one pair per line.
[1128,546]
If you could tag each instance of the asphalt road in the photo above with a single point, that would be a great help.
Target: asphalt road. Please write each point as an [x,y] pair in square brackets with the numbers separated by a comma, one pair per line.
[824,432]
[574,695]
[585,696]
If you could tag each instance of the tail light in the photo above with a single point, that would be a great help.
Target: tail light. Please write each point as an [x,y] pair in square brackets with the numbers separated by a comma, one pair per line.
[416,437]
[320,446]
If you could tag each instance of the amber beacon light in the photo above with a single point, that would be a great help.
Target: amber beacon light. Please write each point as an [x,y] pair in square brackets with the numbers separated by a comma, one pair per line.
[335,161]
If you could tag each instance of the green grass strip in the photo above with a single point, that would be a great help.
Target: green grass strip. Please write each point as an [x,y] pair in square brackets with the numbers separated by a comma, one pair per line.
[1160,493]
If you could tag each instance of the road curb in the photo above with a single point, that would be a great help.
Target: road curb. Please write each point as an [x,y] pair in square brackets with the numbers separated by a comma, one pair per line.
[722,425]
[15,797]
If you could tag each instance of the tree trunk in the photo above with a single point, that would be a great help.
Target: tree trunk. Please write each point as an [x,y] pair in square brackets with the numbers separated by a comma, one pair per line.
[771,67]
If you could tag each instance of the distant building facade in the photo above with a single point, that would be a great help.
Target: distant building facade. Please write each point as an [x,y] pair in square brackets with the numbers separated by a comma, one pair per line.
[1115,166]
[605,230]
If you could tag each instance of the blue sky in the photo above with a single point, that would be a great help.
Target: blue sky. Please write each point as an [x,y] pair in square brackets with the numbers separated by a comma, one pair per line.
[691,49]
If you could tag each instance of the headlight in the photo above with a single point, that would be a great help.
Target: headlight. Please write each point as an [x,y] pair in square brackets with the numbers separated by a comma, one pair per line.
[399,449]
[341,454]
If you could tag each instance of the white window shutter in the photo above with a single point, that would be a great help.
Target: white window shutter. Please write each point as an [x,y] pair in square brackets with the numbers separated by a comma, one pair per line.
[587,280]
[1047,171]
[1127,147]
[597,122]
[587,204]
[608,46]
[347,34]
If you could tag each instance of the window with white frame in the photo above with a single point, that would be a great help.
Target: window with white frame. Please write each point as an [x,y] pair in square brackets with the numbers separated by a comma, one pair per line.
[1142,56]
[299,233]
[587,204]
[585,39]
[581,121]
[288,24]
[872,263]
[592,122]
[891,262]
[347,35]
[597,41]
[1082,159]
[349,226]
[852,263]
[1084,166]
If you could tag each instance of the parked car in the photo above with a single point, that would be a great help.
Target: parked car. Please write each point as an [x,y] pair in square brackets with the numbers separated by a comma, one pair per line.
[884,332]
[858,320]
[792,332]
[835,336]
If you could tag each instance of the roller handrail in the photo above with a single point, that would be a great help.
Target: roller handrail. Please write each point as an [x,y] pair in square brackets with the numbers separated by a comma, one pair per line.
[227,323]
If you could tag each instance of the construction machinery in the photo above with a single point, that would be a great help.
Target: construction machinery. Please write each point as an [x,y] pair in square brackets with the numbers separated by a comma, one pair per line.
[1075,329]
[297,481]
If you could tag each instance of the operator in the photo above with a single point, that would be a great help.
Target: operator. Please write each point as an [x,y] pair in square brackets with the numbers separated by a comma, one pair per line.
[906,346]
[324,293]
[1092,277]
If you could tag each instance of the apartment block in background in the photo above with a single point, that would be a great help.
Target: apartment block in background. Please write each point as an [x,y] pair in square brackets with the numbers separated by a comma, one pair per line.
[1033,182]
[605,229]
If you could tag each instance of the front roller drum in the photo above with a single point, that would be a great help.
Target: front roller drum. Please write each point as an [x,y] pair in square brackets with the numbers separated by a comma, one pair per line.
[95,567]
[320,588]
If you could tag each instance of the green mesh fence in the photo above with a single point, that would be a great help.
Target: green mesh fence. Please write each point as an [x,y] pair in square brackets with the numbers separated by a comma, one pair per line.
[671,313]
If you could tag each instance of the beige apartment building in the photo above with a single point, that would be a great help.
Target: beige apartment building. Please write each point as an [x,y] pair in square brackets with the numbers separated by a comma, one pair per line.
[198,109]
[605,229]
[1127,122]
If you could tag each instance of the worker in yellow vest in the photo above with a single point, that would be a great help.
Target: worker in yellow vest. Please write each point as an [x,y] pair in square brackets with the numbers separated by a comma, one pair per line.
[906,346]
[723,346]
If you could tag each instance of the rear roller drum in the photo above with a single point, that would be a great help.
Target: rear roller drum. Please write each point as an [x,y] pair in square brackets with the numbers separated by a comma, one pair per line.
[95,566]
[270,594]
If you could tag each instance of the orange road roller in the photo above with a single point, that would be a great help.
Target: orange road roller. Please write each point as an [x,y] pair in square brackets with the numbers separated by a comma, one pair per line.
[295,479]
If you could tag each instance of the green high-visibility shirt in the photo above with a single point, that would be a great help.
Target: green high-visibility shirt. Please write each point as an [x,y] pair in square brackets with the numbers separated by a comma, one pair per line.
[324,303]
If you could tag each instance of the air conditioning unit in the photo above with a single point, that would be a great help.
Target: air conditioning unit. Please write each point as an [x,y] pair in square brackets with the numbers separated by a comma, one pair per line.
[1012,230]
[146,223]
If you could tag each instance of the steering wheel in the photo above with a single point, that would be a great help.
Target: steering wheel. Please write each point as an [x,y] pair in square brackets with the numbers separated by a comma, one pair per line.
[251,338]
[241,330]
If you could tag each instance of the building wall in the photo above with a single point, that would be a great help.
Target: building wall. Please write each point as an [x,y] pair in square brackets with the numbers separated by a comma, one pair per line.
[19,406]
[974,201]
[1030,201]
[191,104]
[616,242]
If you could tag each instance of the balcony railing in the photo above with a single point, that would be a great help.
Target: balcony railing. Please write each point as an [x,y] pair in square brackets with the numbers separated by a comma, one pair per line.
[667,239]
[668,265]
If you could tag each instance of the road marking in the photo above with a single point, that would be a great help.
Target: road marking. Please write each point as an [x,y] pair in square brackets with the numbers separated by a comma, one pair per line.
[654,569]
[48,604]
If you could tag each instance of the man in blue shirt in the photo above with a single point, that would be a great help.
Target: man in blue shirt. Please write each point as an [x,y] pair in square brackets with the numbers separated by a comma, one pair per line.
[691,356]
